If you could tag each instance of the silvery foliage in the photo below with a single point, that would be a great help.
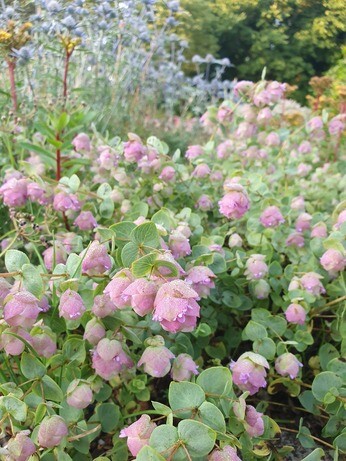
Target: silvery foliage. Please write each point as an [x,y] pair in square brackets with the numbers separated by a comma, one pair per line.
[126,48]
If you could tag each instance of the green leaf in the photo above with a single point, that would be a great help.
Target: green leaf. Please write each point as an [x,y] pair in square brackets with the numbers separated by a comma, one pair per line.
[185,398]
[31,367]
[161,408]
[340,442]
[172,267]
[32,280]
[149,454]
[255,331]
[163,218]
[316,455]
[74,265]
[14,407]
[74,350]
[104,190]
[324,383]
[164,438]
[62,121]
[107,208]
[122,232]
[143,265]
[130,253]
[210,415]
[198,438]
[265,347]
[40,413]
[51,391]
[109,416]
[15,260]
[146,235]
[38,149]
[216,381]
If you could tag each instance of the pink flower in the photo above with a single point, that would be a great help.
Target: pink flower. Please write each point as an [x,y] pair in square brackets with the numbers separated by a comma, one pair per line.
[275,90]
[71,305]
[167,173]
[116,287]
[109,359]
[224,114]
[254,424]
[14,192]
[142,294]
[5,289]
[319,230]
[43,341]
[179,245]
[288,365]
[156,358]
[79,395]
[20,447]
[245,130]
[201,171]
[194,152]
[94,331]
[225,149]
[333,261]
[316,123]
[175,307]
[85,221]
[341,219]
[295,313]
[235,241]
[337,125]
[103,306]
[235,203]
[81,142]
[52,431]
[21,310]
[256,268]
[11,344]
[138,434]
[298,203]
[226,454]
[304,147]
[261,289]
[96,259]
[201,280]
[134,151]
[311,283]
[204,203]
[249,372]
[54,255]
[273,139]
[37,194]
[64,202]
[303,222]
[183,368]
[271,217]
[264,115]
[295,239]
[242,87]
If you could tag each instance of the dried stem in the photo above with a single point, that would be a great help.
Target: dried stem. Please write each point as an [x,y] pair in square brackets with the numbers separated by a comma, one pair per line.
[11,71]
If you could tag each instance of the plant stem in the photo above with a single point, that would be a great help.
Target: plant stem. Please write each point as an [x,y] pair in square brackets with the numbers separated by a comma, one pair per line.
[64,81]
[309,435]
[11,68]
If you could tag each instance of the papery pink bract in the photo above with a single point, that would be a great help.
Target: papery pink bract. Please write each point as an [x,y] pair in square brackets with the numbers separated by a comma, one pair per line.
[138,434]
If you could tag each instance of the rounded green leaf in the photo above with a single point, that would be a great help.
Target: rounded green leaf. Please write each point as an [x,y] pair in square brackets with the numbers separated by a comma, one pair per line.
[198,438]
[325,383]
[15,260]
[149,454]
[185,398]
[164,439]
[14,407]
[211,416]
[31,367]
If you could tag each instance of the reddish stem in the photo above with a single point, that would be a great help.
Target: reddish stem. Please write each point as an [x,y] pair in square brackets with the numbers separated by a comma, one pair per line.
[11,68]
[58,159]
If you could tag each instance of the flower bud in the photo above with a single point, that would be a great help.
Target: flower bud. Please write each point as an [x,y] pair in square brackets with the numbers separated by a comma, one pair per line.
[295,313]
[21,310]
[20,447]
[52,431]
[156,358]
[333,261]
[254,424]
[94,331]
[79,395]
[194,152]
[103,306]
[142,295]
[183,368]
[234,204]
[14,192]
[235,241]
[271,217]
[288,365]
[71,305]
[179,245]
[303,222]
[256,268]
[81,143]
[311,283]
[319,230]
[201,280]
[64,202]
[85,221]
[11,344]
[226,454]
[96,259]
[167,173]
[249,372]
[54,255]
[116,287]
[261,289]
[138,434]
[109,359]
